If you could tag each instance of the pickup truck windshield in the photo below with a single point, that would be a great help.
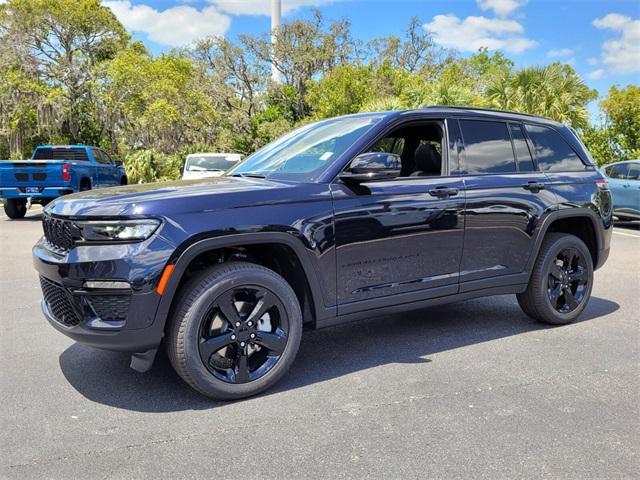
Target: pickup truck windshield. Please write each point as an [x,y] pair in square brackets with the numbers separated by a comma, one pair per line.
[303,154]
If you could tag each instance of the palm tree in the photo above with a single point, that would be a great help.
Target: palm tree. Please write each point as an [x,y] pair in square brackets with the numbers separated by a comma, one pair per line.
[555,91]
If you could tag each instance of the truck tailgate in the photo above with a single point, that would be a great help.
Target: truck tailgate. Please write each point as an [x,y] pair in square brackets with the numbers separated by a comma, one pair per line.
[41,173]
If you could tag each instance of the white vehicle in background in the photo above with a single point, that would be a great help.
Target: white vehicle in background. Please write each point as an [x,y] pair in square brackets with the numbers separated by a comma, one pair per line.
[203,165]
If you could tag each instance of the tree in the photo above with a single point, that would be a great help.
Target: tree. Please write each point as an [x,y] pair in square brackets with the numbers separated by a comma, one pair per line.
[156,102]
[622,118]
[303,50]
[415,53]
[65,40]
[555,91]
[341,91]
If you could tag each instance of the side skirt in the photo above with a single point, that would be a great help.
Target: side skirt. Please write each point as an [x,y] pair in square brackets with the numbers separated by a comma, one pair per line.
[416,305]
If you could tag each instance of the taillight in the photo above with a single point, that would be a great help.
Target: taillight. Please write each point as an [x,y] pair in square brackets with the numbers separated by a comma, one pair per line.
[602,184]
[66,174]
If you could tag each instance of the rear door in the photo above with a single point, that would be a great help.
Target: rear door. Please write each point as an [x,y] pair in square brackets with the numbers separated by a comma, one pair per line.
[505,198]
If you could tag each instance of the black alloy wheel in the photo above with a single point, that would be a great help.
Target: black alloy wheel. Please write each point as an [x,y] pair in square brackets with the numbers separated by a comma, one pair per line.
[568,280]
[234,331]
[560,284]
[244,334]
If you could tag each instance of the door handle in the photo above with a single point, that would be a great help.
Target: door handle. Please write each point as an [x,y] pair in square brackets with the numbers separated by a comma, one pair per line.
[533,186]
[443,192]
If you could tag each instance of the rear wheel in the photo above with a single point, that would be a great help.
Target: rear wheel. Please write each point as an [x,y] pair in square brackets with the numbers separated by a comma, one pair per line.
[85,184]
[15,208]
[561,282]
[235,331]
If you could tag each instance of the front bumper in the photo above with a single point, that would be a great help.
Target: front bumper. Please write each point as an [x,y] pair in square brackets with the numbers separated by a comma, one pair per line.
[112,319]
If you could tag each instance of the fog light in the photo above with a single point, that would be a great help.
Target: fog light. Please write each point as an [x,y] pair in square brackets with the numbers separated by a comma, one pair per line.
[107,284]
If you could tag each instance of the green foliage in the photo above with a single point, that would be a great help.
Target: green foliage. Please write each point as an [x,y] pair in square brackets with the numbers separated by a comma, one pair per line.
[555,91]
[70,73]
[622,110]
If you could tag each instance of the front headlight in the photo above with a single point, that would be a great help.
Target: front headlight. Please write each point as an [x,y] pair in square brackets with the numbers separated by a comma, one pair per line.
[118,230]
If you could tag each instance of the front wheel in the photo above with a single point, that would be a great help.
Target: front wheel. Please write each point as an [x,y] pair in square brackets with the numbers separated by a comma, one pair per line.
[15,208]
[235,331]
[561,282]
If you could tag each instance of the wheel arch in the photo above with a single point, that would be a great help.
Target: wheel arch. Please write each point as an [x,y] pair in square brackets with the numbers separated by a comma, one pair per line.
[303,280]
[581,222]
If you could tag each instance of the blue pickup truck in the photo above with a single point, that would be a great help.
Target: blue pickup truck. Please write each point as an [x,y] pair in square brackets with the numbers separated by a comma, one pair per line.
[56,170]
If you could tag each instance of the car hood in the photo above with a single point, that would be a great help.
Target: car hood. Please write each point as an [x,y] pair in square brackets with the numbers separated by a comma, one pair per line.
[161,199]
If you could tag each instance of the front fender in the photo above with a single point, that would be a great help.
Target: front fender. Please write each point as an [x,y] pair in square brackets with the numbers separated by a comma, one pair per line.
[188,254]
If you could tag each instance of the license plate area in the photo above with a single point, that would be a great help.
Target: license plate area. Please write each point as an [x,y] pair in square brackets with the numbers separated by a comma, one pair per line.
[32,190]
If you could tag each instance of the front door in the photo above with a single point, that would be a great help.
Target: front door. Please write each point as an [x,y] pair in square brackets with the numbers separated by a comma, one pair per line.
[399,239]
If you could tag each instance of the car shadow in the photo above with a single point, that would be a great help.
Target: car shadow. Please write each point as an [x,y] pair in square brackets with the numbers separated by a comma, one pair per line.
[105,377]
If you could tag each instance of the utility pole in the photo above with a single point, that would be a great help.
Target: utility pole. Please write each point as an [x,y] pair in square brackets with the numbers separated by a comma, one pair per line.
[276,13]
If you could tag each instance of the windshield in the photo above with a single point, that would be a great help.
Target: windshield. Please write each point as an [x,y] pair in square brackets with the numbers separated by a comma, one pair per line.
[209,163]
[305,153]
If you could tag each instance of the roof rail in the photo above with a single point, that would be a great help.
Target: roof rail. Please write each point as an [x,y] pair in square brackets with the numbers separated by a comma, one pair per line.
[495,110]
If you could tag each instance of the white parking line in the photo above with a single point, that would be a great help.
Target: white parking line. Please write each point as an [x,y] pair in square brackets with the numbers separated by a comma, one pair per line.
[626,234]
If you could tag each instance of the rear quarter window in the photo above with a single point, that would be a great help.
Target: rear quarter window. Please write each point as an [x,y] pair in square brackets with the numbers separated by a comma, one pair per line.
[552,152]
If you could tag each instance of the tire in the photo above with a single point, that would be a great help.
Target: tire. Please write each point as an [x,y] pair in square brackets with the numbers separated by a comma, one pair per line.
[85,185]
[15,208]
[124,181]
[555,271]
[198,312]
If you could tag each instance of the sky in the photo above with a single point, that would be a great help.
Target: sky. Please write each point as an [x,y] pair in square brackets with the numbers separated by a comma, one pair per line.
[601,39]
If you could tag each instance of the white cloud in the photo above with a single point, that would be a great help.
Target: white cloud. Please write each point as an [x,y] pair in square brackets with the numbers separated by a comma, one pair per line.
[175,26]
[592,61]
[560,52]
[595,74]
[502,8]
[474,32]
[621,53]
[263,7]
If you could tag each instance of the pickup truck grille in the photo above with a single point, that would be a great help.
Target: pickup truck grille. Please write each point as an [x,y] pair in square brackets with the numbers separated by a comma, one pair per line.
[58,232]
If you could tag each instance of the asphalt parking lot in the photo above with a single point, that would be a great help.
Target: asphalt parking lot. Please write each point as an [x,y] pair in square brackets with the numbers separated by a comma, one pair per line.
[471,390]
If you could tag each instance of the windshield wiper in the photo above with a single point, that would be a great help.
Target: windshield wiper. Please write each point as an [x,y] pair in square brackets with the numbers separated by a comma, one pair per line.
[248,174]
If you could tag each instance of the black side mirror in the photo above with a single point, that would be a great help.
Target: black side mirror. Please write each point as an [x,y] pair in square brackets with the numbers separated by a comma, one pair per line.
[118,163]
[372,166]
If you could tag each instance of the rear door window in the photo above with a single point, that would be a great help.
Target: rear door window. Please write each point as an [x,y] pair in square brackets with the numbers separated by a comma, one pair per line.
[487,147]
[523,155]
[552,152]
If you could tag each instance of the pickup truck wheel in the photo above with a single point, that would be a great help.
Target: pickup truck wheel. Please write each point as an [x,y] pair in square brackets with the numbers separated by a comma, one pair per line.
[15,208]
[235,330]
[561,282]
[85,184]
[124,181]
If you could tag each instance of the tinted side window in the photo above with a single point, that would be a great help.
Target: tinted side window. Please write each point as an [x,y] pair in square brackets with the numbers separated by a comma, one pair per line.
[487,147]
[552,152]
[618,171]
[97,155]
[523,155]
[106,157]
[634,171]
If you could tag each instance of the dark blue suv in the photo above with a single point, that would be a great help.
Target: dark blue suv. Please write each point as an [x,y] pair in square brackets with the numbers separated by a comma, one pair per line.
[336,221]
